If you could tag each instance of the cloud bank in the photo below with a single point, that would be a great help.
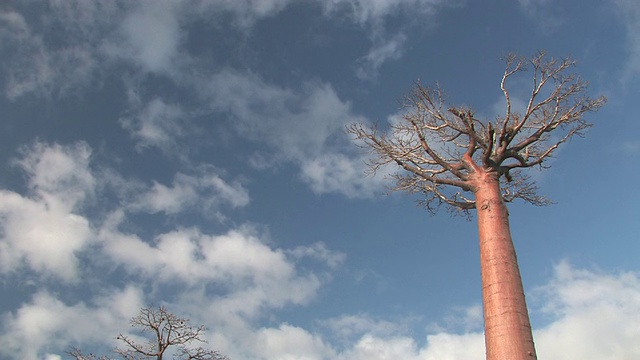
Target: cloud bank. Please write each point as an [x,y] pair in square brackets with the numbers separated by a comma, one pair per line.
[590,314]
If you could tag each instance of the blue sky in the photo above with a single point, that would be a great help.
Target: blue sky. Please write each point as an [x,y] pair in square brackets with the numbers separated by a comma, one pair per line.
[193,154]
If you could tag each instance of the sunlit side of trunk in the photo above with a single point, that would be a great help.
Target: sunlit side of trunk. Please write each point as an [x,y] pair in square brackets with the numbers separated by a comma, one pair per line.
[508,333]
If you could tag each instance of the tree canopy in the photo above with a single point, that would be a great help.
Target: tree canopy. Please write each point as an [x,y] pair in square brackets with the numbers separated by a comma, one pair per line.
[438,145]
[169,334]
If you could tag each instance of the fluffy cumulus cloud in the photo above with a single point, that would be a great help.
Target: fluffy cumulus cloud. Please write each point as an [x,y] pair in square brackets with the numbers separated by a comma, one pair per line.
[254,275]
[592,316]
[598,315]
[46,228]
[234,280]
[43,229]
[47,322]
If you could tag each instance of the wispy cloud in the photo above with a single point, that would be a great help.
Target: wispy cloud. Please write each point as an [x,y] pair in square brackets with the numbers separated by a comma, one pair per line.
[303,124]
[150,36]
[373,16]
[305,127]
[387,49]
[155,124]
[544,13]
[208,191]
[630,13]
[373,12]
[35,65]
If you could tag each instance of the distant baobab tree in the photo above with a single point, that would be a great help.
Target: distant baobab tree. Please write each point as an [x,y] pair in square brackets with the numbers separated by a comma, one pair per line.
[452,158]
[169,335]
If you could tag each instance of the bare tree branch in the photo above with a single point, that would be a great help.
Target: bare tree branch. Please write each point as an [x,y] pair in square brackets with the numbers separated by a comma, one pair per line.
[167,330]
[78,355]
[438,147]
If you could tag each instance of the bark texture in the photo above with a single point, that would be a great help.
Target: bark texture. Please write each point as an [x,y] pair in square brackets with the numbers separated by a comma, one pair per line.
[508,334]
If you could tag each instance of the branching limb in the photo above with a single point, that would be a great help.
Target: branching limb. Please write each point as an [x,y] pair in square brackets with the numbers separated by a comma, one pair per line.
[439,147]
[79,355]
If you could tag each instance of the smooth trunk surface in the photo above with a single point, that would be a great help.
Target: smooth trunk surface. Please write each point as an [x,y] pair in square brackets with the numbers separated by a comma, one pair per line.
[508,333]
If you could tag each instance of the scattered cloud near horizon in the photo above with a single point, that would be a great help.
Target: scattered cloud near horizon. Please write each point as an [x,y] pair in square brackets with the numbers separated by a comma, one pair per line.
[585,309]
[592,316]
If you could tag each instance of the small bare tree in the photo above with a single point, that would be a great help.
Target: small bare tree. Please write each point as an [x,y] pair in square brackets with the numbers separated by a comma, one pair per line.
[168,331]
[457,160]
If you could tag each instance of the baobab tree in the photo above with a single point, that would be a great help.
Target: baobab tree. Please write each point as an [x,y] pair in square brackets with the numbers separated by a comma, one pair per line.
[452,158]
[169,334]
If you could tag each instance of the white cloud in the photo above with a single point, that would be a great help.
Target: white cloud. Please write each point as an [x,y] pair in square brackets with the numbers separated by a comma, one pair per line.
[371,347]
[156,124]
[289,342]
[593,315]
[630,12]
[387,49]
[57,171]
[253,275]
[28,69]
[334,172]
[597,315]
[320,252]
[46,323]
[44,238]
[305,127]
[150,36]
[350,328]
[205,192]
[298,123]
[544,13]
[372,15]
[372,11]
[42,230]
[32,66]
[234,194]
[247,12]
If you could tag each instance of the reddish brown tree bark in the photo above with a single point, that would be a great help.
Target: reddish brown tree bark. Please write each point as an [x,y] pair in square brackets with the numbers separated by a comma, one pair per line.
[507,328]
[450,157]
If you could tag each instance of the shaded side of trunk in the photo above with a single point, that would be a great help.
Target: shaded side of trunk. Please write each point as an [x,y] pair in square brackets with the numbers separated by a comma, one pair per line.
[507,328]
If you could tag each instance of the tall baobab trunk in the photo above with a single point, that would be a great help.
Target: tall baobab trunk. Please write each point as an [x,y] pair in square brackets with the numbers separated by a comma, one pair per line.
[507,328]
[428,145]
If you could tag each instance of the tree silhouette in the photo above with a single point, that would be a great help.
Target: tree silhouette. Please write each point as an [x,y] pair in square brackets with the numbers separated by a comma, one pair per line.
[167,331]
[454,159]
